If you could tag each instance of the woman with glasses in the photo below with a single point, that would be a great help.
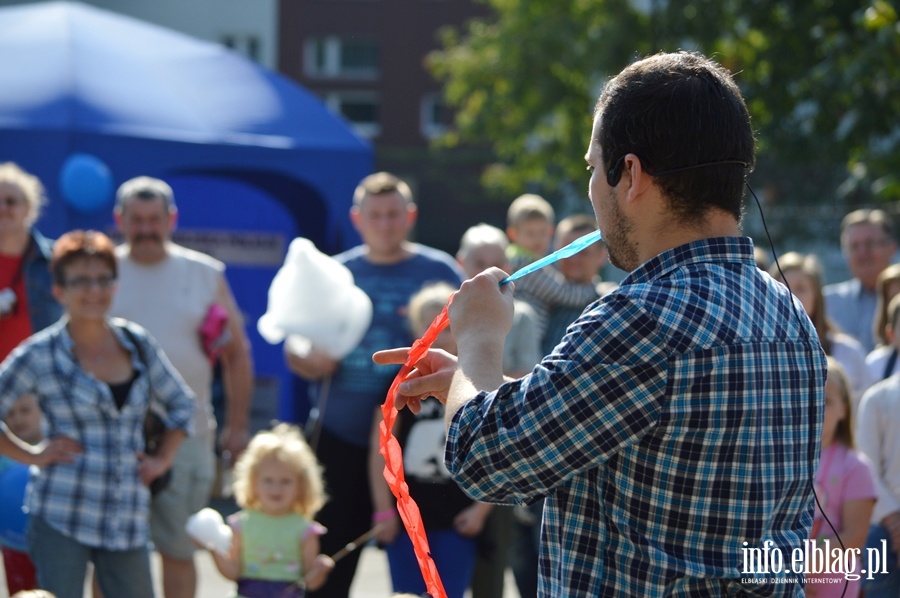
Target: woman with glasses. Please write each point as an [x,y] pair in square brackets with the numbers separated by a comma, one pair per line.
[95,378]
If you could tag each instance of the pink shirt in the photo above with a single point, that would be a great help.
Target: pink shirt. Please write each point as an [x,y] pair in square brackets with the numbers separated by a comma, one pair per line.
[843,475]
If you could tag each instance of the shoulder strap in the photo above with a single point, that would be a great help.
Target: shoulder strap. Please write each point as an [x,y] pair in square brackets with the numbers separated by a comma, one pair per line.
[143,359]
[891,362]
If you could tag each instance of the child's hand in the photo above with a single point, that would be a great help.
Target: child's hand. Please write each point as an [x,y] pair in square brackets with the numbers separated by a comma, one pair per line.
[470,521]
[318,573]
[387,530]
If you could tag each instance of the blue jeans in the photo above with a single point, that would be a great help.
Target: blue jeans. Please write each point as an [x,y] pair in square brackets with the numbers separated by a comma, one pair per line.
[61,562]
[454,557]
[885,585]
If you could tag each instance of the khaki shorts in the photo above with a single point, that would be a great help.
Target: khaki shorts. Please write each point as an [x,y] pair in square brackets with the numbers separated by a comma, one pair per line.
[189,491]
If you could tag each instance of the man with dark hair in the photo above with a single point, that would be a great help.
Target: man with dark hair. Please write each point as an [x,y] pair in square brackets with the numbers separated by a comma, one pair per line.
[869,244]
[677,424]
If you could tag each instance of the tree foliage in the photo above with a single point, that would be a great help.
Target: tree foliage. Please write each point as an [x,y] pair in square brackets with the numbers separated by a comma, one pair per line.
[821,79]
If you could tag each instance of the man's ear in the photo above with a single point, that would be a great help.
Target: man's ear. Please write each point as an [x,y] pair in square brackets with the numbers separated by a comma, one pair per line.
[511,233]
[354,217]
[636,179]
[412,213]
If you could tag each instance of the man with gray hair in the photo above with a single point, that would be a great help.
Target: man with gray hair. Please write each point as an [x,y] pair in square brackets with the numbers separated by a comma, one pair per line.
[868,244]
[172,291]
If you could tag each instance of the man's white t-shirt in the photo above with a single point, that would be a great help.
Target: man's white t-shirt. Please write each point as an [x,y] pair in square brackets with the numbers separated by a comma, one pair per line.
[171,299]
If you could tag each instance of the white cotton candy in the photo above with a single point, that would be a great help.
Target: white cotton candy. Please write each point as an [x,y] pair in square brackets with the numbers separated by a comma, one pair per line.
[313,296]
[209,529]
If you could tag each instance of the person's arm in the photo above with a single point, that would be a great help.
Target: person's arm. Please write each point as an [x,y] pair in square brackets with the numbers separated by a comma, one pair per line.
[551,287]
[470,521]
[385,511]
[855,516]
[522,350]
[230,565]
[871,435]
[18,376]
[317,566]
[59,449]
[312,364]
[153,466]
[481,316]
[237,375]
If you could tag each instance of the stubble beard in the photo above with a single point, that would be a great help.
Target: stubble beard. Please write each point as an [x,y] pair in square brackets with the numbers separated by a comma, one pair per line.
[622,250]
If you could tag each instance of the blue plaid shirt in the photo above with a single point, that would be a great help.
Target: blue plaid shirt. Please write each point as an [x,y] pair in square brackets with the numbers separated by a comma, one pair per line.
[98,500]
[678,418]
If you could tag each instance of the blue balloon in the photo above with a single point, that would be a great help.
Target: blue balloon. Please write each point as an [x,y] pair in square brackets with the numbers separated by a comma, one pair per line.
[86,182]
[13,519]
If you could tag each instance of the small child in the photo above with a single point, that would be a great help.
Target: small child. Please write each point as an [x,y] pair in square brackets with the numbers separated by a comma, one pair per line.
[844,485]
[581,268]
[275,546]
[529,227]
[25,421]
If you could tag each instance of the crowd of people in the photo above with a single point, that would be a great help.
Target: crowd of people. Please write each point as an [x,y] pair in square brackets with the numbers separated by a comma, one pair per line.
[599,439]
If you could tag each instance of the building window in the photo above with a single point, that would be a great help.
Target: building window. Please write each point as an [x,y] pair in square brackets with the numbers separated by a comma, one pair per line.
[435,115]
[333,57]
[246,44]
[359,108]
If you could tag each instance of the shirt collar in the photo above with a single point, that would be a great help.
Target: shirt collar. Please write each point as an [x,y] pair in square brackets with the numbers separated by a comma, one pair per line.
[718,249]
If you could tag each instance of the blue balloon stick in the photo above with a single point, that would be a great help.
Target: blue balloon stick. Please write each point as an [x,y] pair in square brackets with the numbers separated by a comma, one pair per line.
[567,251]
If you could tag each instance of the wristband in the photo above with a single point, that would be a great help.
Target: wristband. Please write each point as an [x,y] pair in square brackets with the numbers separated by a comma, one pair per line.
[383,515]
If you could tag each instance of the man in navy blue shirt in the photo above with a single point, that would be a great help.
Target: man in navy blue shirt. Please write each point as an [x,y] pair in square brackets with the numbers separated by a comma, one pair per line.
[390,269]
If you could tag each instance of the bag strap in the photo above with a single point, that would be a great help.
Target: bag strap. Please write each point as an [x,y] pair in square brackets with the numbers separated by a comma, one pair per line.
[891,362]
[143,359]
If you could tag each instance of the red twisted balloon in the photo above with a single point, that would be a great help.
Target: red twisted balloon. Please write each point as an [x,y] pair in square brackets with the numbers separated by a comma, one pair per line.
[393,462]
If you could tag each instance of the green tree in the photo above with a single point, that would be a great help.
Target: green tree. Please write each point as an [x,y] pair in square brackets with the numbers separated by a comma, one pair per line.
[821,78]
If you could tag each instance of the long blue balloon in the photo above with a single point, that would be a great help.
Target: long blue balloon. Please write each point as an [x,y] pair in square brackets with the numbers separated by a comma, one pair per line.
[567,251]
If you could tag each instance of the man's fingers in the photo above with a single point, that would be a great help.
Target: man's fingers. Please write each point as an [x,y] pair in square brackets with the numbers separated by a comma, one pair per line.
[391,356]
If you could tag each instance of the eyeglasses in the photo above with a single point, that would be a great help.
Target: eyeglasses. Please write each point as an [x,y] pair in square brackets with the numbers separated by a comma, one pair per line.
[11,201]
[83,283]
[868,245]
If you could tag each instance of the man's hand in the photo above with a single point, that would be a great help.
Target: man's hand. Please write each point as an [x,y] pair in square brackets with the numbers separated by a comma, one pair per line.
[481,311]
[430,378]
[312,365]
[233,442]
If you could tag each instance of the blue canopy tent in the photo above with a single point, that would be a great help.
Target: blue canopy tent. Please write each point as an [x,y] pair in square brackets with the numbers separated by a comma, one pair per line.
[89,99]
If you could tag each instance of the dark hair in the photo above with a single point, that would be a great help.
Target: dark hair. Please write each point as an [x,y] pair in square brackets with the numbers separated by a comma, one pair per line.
[81,244]
[683,112]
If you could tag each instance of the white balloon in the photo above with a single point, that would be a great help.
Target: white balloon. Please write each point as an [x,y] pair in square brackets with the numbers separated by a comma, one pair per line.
[313,296]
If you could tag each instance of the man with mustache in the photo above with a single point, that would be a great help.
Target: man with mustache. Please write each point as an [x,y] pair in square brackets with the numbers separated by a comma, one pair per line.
[169,290]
